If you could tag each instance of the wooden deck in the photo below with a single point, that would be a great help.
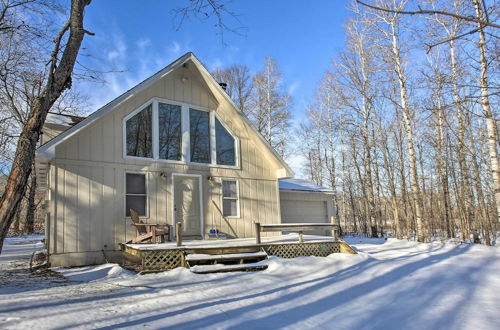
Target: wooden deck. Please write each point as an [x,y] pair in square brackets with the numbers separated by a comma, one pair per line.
[165,256]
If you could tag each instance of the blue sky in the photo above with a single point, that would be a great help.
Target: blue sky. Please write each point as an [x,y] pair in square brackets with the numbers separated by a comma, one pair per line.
[140,37]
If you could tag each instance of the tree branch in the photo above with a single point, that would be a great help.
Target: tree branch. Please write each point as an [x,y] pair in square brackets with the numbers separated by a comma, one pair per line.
[430,46]
[430,12]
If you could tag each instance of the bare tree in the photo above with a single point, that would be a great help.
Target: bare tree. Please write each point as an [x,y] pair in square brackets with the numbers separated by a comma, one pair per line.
[62,60]
[270,106]
[482,22]
[239,84]
[481,18]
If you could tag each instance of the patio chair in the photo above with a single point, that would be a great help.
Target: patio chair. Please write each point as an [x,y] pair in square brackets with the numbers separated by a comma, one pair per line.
[148,231]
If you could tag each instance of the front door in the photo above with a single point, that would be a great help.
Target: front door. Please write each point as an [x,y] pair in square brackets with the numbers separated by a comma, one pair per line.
[187,204]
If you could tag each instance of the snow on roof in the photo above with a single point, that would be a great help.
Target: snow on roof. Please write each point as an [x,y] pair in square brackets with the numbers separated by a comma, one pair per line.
[62,119]
[301,185]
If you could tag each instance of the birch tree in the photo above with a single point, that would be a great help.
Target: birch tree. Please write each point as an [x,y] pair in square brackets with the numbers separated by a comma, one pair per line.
[270,106]
[482,22]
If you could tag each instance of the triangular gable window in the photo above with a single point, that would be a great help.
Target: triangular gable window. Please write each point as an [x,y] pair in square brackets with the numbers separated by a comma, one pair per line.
[225,145]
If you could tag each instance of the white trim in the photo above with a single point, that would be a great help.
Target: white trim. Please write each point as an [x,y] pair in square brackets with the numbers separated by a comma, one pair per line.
[124,130]
[146,179]
[167,101]
[156,141]
[213,145]
[186,136]
[156,131]
[238,215]
[200,186]
[236,143]
[196,108]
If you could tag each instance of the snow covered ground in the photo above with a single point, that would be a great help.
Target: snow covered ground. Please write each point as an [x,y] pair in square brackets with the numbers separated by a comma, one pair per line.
[388,285]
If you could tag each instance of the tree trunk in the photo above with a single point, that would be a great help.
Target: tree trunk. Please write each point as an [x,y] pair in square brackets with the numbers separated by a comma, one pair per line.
[487,113]
[483,207]
[392,183]
[415,185]
[30,213]
[465,185]
[442,168]
[59,79]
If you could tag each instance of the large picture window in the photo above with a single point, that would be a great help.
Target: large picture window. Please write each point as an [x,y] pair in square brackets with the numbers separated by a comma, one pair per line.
[136,195]
[199,136]
[164,130]
[139,134]
[230,198]
[225,149]
[170,132]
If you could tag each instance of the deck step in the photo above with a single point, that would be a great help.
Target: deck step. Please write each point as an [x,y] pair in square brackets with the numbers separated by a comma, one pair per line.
[229,256]
[236,260]
[223,250]
[218,268]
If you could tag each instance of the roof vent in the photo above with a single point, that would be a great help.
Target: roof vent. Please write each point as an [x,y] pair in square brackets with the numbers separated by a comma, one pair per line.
[223,85]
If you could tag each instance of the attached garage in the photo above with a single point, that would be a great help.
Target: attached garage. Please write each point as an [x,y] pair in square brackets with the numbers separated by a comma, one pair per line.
[304,202]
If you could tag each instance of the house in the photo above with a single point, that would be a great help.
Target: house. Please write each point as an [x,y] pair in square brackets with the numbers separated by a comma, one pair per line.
[175,148]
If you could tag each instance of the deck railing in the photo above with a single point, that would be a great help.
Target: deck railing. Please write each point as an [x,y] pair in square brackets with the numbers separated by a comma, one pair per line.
[294,227]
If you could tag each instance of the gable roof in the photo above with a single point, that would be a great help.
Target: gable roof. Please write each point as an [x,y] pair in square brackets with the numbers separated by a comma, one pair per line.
[47,150]
[302,185]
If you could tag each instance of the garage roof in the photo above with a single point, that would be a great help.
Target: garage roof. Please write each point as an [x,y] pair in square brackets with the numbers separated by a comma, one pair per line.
[302,185]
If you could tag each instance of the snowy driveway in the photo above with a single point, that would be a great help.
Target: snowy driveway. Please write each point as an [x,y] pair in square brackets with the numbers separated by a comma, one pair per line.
[388,285]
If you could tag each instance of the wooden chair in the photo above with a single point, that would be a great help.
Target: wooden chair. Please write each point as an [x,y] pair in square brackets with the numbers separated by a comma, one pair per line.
[148,231]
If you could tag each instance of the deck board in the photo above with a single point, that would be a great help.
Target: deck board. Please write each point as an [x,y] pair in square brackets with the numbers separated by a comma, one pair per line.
[165,256]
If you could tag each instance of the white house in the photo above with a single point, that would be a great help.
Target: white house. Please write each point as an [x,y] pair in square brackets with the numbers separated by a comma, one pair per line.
[175,148]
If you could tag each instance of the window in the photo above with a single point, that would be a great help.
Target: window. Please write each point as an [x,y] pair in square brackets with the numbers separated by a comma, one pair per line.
[170,132]
[139,134]
[136,196]
[199,135]
[225,150]
[230,198]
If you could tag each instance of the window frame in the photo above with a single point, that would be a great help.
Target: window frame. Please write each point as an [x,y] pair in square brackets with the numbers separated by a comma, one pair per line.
[185,135]
[238,214]
[210,133]
[156,137]
[146,180]
[236,143]
[153,134]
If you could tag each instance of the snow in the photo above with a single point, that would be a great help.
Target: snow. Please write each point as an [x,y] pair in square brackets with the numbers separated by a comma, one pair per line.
[216,267]
[389,285]
[64,120]
[201,257]
[282,239]
[301,185]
